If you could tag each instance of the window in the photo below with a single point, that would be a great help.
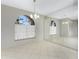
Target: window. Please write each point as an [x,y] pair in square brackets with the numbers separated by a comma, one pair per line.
[52,27]
[24,27]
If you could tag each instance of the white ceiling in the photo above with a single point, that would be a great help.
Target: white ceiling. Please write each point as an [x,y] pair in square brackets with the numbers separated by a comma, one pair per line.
[69,12]
[44,7]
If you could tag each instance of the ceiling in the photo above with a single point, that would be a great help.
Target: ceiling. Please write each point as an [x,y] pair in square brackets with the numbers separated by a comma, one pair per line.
[51,8]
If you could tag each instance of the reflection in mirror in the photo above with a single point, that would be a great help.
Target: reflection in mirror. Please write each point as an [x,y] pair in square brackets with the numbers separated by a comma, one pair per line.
[52,28]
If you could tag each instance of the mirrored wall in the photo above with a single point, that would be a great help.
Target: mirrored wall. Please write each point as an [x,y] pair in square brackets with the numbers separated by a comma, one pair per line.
[63,32]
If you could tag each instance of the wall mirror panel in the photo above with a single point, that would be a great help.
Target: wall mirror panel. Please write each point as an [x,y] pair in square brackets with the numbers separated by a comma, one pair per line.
[62,31]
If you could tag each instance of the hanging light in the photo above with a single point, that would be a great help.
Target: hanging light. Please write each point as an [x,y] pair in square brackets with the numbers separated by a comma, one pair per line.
[35,15]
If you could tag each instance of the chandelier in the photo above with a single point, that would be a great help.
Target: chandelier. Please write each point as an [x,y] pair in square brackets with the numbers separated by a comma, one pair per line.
[35,15]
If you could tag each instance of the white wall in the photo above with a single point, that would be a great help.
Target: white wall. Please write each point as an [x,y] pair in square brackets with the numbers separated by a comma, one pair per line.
[9,16]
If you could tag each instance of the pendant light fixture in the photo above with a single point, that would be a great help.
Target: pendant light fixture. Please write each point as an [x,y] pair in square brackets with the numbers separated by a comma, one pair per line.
[35,15]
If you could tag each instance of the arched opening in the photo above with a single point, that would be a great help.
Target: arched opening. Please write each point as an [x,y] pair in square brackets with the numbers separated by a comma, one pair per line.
[52,27]
[24,27]
[25,20]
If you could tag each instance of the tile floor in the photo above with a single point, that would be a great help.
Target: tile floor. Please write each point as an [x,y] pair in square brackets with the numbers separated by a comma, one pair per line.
[39,50]
[69,42]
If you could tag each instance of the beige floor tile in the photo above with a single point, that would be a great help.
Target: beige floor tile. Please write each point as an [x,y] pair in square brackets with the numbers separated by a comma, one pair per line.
[39,50]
